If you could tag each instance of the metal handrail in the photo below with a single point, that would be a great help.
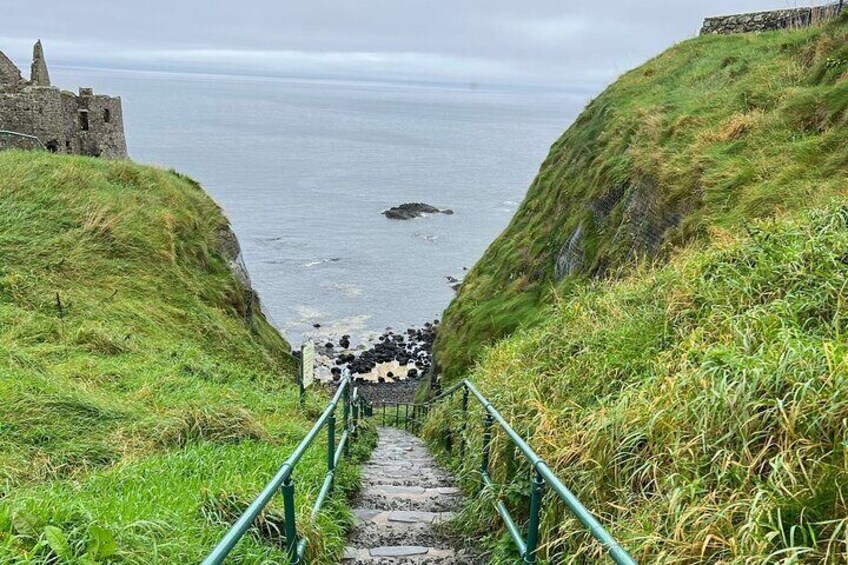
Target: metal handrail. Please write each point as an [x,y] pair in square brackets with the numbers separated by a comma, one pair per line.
[543,475]
[6,134]
[355,406]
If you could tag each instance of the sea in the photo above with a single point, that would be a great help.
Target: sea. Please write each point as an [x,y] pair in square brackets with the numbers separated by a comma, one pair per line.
[303,169]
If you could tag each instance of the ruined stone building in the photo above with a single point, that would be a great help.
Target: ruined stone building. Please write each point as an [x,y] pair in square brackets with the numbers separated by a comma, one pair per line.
[83,124]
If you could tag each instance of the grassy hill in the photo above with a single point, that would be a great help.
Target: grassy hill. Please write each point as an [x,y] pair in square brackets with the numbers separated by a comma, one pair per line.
[144,399]
[698,409]
[665,317]
[713,133]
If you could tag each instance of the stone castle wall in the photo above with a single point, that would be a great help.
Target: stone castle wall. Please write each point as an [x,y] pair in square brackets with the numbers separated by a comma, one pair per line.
[769,21]
[80,124]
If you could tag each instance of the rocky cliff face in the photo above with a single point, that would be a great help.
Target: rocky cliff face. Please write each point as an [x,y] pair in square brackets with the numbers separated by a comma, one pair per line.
[230,249]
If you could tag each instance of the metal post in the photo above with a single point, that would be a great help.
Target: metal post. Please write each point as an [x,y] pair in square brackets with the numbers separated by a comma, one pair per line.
[355,420]
[536,491]
[384,413]
[487,439]
[406,417]
[331,442]
[462,425]
[346,414]
[291,528]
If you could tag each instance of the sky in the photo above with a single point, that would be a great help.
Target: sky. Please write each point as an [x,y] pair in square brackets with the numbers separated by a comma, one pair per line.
[571,44]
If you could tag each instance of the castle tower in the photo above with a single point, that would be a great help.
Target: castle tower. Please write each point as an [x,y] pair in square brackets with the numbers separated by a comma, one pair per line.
[38,73]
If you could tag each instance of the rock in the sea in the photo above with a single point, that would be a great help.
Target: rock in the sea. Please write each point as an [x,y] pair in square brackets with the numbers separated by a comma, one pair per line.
[412,210]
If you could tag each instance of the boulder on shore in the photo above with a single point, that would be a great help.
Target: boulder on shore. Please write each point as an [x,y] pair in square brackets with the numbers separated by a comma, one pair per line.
[412,210]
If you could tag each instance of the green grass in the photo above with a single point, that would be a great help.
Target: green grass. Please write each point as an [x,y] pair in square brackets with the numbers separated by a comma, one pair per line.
[699,409]
[140,411]
[711,134]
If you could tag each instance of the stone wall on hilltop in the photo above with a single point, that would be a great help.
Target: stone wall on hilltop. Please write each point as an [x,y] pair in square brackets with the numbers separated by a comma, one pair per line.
[768,21]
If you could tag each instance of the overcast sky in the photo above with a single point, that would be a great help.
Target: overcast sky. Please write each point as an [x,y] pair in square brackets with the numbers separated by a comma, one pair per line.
[577,44]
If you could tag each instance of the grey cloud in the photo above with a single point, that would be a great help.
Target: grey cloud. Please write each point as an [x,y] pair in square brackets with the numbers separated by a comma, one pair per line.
[553,42]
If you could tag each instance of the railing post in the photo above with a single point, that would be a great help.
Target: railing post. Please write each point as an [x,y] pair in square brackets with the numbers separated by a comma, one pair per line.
[462,426]
[488,420]
[291,527]
[536,491]
[384,413]
[346,416]
[331,442]
[449,434]
[397,415]
[406,417]
[355,419]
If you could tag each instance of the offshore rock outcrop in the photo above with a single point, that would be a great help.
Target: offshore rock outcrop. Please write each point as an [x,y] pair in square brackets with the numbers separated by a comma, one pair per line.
[412,210]
[80,124]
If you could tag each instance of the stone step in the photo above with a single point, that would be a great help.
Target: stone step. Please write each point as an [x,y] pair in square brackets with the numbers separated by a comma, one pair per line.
[397,554]
[375,528]
[427,482]
[429,477]
[400,497]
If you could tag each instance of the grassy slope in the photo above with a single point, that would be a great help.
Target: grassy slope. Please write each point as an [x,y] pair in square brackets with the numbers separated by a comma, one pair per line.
[148,412]
[699,409]
[717,130]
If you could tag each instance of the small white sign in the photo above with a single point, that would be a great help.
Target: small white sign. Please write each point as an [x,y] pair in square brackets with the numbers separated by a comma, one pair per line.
[307,364]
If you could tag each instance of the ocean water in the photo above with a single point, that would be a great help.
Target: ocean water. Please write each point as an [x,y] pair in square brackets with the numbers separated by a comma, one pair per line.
[304,168]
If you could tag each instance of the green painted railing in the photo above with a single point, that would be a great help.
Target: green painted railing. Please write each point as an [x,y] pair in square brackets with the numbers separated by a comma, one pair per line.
[355,408]
[412,416]
[7,136]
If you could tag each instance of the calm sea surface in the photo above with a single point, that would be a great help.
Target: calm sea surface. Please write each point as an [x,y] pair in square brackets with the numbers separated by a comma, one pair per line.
[304,168]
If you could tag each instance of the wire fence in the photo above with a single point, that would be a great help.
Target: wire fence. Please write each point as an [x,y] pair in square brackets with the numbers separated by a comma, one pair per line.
[631,222]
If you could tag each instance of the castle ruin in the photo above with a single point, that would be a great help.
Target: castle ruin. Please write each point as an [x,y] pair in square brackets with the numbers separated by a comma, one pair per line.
[80,124]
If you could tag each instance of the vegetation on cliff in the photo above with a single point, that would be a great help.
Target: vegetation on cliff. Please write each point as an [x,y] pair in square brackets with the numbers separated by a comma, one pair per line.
[697,404]
[144,398]
[714,132]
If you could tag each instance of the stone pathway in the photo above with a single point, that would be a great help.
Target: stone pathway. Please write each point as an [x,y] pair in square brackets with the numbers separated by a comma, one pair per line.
[404,499]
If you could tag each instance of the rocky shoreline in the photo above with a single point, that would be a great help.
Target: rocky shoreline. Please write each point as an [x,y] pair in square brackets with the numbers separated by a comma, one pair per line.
[388,368]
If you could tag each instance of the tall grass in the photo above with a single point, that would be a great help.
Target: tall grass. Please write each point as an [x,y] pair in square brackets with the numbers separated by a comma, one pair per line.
[140,411]
[699,409]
